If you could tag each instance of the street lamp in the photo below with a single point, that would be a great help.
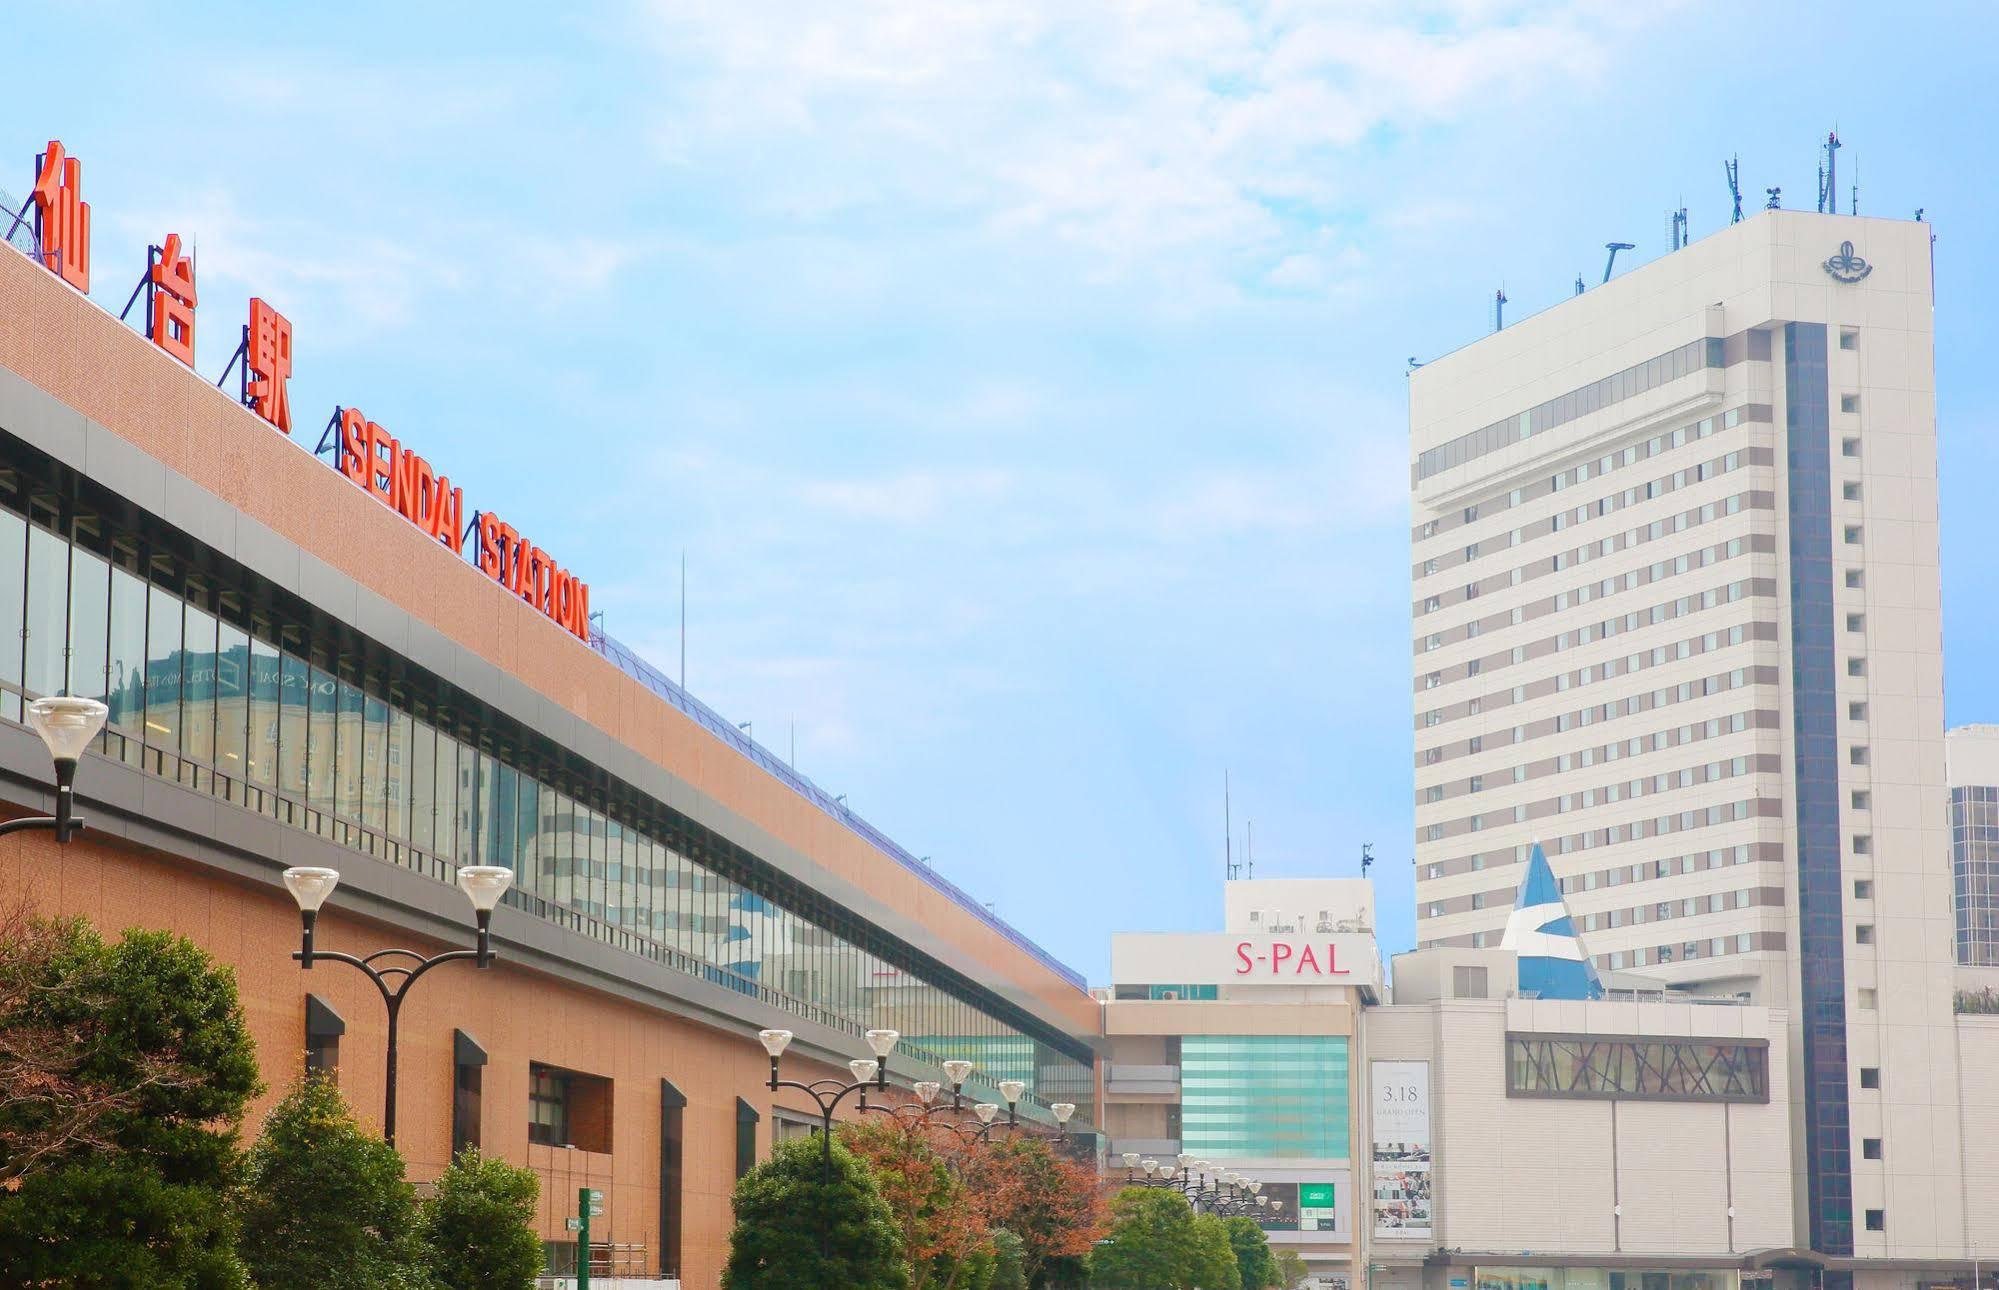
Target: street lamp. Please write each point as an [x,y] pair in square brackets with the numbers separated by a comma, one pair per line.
[66,725]
[829,1093]
[483,884]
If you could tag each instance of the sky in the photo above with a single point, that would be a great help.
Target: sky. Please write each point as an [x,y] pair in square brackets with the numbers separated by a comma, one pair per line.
[1023,382]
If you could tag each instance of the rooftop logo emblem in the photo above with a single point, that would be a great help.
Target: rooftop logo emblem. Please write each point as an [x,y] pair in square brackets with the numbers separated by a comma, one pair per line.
[1846,266]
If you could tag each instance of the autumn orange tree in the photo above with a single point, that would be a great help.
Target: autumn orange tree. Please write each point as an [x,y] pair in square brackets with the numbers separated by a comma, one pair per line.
[944,1230]
[1053,1203]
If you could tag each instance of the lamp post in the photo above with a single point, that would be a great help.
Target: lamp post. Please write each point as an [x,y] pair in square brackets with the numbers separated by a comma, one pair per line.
[827,1094]
[395,971]
[1228,1194]
[926,1107]
[66,725]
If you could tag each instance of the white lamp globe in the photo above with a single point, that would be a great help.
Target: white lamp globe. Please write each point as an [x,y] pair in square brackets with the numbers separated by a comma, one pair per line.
[774,1041]
[986,1111]
[1062,1111]
[882,1042]
[1011,1089]
[66,724]
[926,1090]
[484,884]
[310,887]
[957,1071]
[864,1069]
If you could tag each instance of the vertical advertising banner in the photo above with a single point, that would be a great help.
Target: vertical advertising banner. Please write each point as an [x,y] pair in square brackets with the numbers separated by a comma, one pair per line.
[1402,1195]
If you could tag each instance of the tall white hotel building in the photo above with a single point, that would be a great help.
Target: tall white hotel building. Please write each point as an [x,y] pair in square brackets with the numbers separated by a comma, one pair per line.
[1677,618]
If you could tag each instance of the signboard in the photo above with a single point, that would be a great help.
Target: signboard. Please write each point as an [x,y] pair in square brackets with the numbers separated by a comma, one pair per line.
[374,460]
[1399,1093]
[1245,959]
[1318,1207]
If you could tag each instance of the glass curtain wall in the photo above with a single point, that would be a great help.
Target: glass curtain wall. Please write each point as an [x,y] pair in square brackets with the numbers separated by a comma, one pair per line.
[227,703]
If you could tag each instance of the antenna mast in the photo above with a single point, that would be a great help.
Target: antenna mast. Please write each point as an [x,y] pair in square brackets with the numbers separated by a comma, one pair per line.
[1734,168]
[1499,309]
[1829,176]
[1249,845]
[1366,857]
[1228,831]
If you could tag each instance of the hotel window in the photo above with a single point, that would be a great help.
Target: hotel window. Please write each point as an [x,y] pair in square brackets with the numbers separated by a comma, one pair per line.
[1863,844]
[1856,622]
[1863,933]
[1856,711]
[1849,447]
[1866,998]
[1863,889]
[1870,1148]
[1870,1077]
[1851,534]
[1849,338]
[1856,667]
[1877,1220]
[1849,403]
[1850,490]
[1857,755]
[1855,578]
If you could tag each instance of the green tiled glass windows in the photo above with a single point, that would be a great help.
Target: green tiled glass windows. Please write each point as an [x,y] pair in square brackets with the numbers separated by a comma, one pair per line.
[1282,1096]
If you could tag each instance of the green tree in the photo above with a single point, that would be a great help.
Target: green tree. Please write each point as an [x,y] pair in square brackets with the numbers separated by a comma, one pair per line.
[1051,1201]
[1213,1266]
[478,1229]
[1151,1243]
[1009,1269]
[325,1205]
[1291,1269]
[145,1067]
[1252,1254]
[944,1236]
[796,1225]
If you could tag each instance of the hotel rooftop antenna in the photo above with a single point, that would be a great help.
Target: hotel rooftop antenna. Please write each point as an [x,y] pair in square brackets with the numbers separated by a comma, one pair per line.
[1499,309]
[1579,284]
[1776,201]
[1366,857]
[1829,176]
[1249,846]
[1613,248]
[1679,228]
[1734,168]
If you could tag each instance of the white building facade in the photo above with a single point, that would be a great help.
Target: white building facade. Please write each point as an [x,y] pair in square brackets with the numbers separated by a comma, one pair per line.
[1677,618]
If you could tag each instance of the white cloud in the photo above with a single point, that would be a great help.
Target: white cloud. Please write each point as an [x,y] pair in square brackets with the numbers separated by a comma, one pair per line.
[1140,133]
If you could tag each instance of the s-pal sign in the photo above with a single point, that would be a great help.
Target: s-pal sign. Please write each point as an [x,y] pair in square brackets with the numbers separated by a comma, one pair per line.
[1245,958]
[1289,958]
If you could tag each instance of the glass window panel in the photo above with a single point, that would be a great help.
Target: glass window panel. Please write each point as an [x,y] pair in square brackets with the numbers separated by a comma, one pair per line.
[448,814]
[127,699]
[614,871]
[198,685]
[163,662]
[294,726]
[322,740]
[89,623]
[349,757]
[374,762]
[423,776]
[13,605]
[527,808]
[396,766]
[266,690]
[48,613]
[232,700]
[468,804]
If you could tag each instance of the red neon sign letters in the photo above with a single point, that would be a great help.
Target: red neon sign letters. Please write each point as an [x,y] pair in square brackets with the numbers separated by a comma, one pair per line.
[62,217]
[267,352]
[1302,960]
[172,326]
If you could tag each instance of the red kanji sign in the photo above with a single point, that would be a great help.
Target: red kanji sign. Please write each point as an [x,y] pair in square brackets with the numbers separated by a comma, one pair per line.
[173,301]
[62,217]
[267,352]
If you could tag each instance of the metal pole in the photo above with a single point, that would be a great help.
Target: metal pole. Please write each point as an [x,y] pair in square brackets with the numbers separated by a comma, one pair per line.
[583,1238]
[389,1097]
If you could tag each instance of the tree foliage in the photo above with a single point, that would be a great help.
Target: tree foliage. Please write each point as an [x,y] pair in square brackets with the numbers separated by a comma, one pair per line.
[1151,1242]
[1009,1268]
[124,1071]
[943,1230]
[1054,1204]
[1213,1266]
[799,1225]
[478,1228]
[325,1205]
[1254,1260]
[1291,1269]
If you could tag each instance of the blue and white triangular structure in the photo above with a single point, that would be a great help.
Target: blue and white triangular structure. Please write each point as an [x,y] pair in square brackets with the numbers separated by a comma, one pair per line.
[1553,963]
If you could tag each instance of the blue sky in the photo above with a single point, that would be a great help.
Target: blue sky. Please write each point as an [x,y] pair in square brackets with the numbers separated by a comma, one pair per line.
[1023,381]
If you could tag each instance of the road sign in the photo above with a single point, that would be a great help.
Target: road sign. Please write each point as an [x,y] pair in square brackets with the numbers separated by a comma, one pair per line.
[574,1224]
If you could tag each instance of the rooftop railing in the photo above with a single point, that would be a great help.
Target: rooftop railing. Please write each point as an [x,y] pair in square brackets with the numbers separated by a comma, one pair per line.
[726,730]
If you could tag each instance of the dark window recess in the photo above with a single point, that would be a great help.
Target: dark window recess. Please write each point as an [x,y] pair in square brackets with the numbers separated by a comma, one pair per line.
[1821,885]
[568,1109]
[1870,1077]
[1870,1148]
[1877,1220]
[672,1140]
[746,1137]
[468,1078]
[323,1028]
